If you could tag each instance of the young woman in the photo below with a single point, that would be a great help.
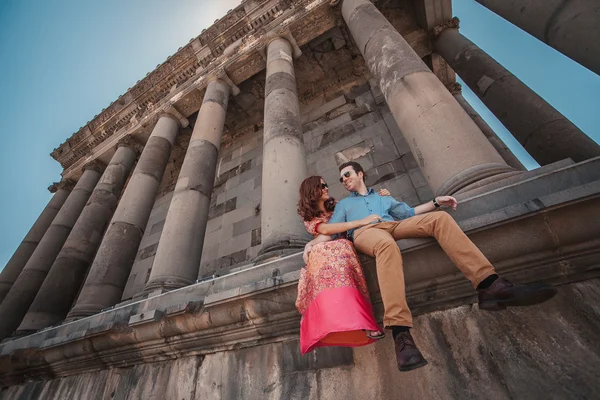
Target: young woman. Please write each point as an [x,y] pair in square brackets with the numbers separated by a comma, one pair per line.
[332,292]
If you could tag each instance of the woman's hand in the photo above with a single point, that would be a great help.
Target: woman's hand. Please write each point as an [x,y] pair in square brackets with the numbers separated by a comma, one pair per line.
[447,201]
[307,250]
[370,219]
[384,192]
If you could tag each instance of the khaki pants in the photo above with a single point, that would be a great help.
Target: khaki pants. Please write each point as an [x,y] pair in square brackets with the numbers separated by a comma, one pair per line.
[379,241]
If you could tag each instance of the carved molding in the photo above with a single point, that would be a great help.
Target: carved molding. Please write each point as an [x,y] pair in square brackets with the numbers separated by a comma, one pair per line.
[285,33]
[221,74]
[455,88]
[451,24]
[66,184]
[185,74]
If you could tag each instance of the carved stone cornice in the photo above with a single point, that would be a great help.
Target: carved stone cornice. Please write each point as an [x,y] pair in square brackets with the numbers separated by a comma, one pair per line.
[181,79]
[94,165]
[451,24]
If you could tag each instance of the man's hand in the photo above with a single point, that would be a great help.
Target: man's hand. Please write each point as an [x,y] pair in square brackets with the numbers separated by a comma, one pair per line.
[384,192]
[447,201]
[307,250]
[370,219]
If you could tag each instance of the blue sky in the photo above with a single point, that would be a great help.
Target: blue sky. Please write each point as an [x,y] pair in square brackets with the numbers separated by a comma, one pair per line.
[63,61]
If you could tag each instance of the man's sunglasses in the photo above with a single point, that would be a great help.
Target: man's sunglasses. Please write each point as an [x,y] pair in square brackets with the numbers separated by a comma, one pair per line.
[324,185]
[345,174]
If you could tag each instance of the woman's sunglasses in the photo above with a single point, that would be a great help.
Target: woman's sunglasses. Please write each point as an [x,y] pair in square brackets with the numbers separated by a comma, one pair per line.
[324,185]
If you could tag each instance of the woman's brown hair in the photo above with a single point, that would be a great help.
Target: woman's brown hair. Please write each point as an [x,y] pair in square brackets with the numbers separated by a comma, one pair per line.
[310,193]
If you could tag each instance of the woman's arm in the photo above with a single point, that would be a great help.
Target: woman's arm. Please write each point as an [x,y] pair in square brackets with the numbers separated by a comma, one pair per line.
[309,245]
[339,227]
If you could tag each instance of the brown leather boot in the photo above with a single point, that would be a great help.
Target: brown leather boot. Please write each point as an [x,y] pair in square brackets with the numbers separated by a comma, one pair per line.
[408,355]
[503,293]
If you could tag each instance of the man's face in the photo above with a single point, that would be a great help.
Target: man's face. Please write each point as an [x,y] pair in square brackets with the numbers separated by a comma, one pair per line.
[350,179]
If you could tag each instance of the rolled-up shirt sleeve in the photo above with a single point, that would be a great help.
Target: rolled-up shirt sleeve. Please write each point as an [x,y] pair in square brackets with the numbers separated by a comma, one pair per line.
[399,210]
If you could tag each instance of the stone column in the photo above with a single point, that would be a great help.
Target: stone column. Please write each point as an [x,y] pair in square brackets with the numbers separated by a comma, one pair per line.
[26,286]
[506,154]
[545,133]
[571,27]
[113,261]
[17,262]
[449,148]
[177,259]
[57,293]
[284,156]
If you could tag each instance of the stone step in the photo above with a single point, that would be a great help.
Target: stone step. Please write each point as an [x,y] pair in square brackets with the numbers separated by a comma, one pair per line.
[528,186]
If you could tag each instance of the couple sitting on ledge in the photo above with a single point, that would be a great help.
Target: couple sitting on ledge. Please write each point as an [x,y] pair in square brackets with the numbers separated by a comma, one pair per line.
[332,292]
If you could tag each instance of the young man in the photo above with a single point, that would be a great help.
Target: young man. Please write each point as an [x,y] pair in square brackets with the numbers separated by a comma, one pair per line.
[399,221]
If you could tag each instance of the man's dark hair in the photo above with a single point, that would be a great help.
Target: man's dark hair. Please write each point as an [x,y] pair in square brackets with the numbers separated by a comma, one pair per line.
[357,168]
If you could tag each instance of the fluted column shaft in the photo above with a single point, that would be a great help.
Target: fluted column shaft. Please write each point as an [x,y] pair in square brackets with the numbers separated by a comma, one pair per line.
[448,146]
[506,154]
[177,259]
[112,264]
[23,292]
[544,132]
[17,262]
[57,293]
[284,156]
[570,26]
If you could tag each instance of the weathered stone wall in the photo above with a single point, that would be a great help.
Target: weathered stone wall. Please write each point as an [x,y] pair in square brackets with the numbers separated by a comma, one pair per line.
[548,351]
[351,123]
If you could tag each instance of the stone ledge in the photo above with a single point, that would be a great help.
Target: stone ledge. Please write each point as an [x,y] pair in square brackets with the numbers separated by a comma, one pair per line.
[540,228]
[257,305]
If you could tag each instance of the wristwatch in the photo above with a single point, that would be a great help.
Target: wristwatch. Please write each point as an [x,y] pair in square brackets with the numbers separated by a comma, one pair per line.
[435,203]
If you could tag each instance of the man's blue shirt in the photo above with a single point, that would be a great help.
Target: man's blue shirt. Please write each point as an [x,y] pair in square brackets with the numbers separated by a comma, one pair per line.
[357,206]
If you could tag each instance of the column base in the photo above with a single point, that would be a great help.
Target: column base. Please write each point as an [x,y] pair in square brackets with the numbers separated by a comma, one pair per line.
[83,311]
[281,246]
[489,172]
[163,285]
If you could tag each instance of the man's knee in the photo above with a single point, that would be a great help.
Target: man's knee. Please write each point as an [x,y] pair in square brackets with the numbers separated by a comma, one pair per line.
[385,245]
[444,218]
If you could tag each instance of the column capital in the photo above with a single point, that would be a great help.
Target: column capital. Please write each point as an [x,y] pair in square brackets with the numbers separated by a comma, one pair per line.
[169,110]
[66,184]
[95,165]
[130,142]
[280,33]
[455,88]
[221,75]
[450,24]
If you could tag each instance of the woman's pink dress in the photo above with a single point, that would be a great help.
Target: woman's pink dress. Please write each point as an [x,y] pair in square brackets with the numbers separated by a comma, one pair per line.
[332,296]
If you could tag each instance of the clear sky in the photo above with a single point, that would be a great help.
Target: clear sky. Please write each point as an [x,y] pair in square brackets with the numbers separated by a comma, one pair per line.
[63,61]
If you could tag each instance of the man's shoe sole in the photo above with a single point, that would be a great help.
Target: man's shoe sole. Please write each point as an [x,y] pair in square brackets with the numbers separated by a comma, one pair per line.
[543,294]
[413,366]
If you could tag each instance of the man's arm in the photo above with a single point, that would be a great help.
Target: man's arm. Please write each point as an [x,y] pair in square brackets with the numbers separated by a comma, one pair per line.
[447,201]
[339,227]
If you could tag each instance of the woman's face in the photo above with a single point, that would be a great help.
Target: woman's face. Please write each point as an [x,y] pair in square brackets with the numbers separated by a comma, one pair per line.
[324,191]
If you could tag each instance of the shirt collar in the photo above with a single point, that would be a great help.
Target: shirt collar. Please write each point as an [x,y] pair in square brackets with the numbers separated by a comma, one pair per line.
[356,194]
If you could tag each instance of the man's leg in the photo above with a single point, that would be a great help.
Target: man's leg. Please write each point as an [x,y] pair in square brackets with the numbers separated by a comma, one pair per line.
[461,250]
[378,243]
[495,293]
